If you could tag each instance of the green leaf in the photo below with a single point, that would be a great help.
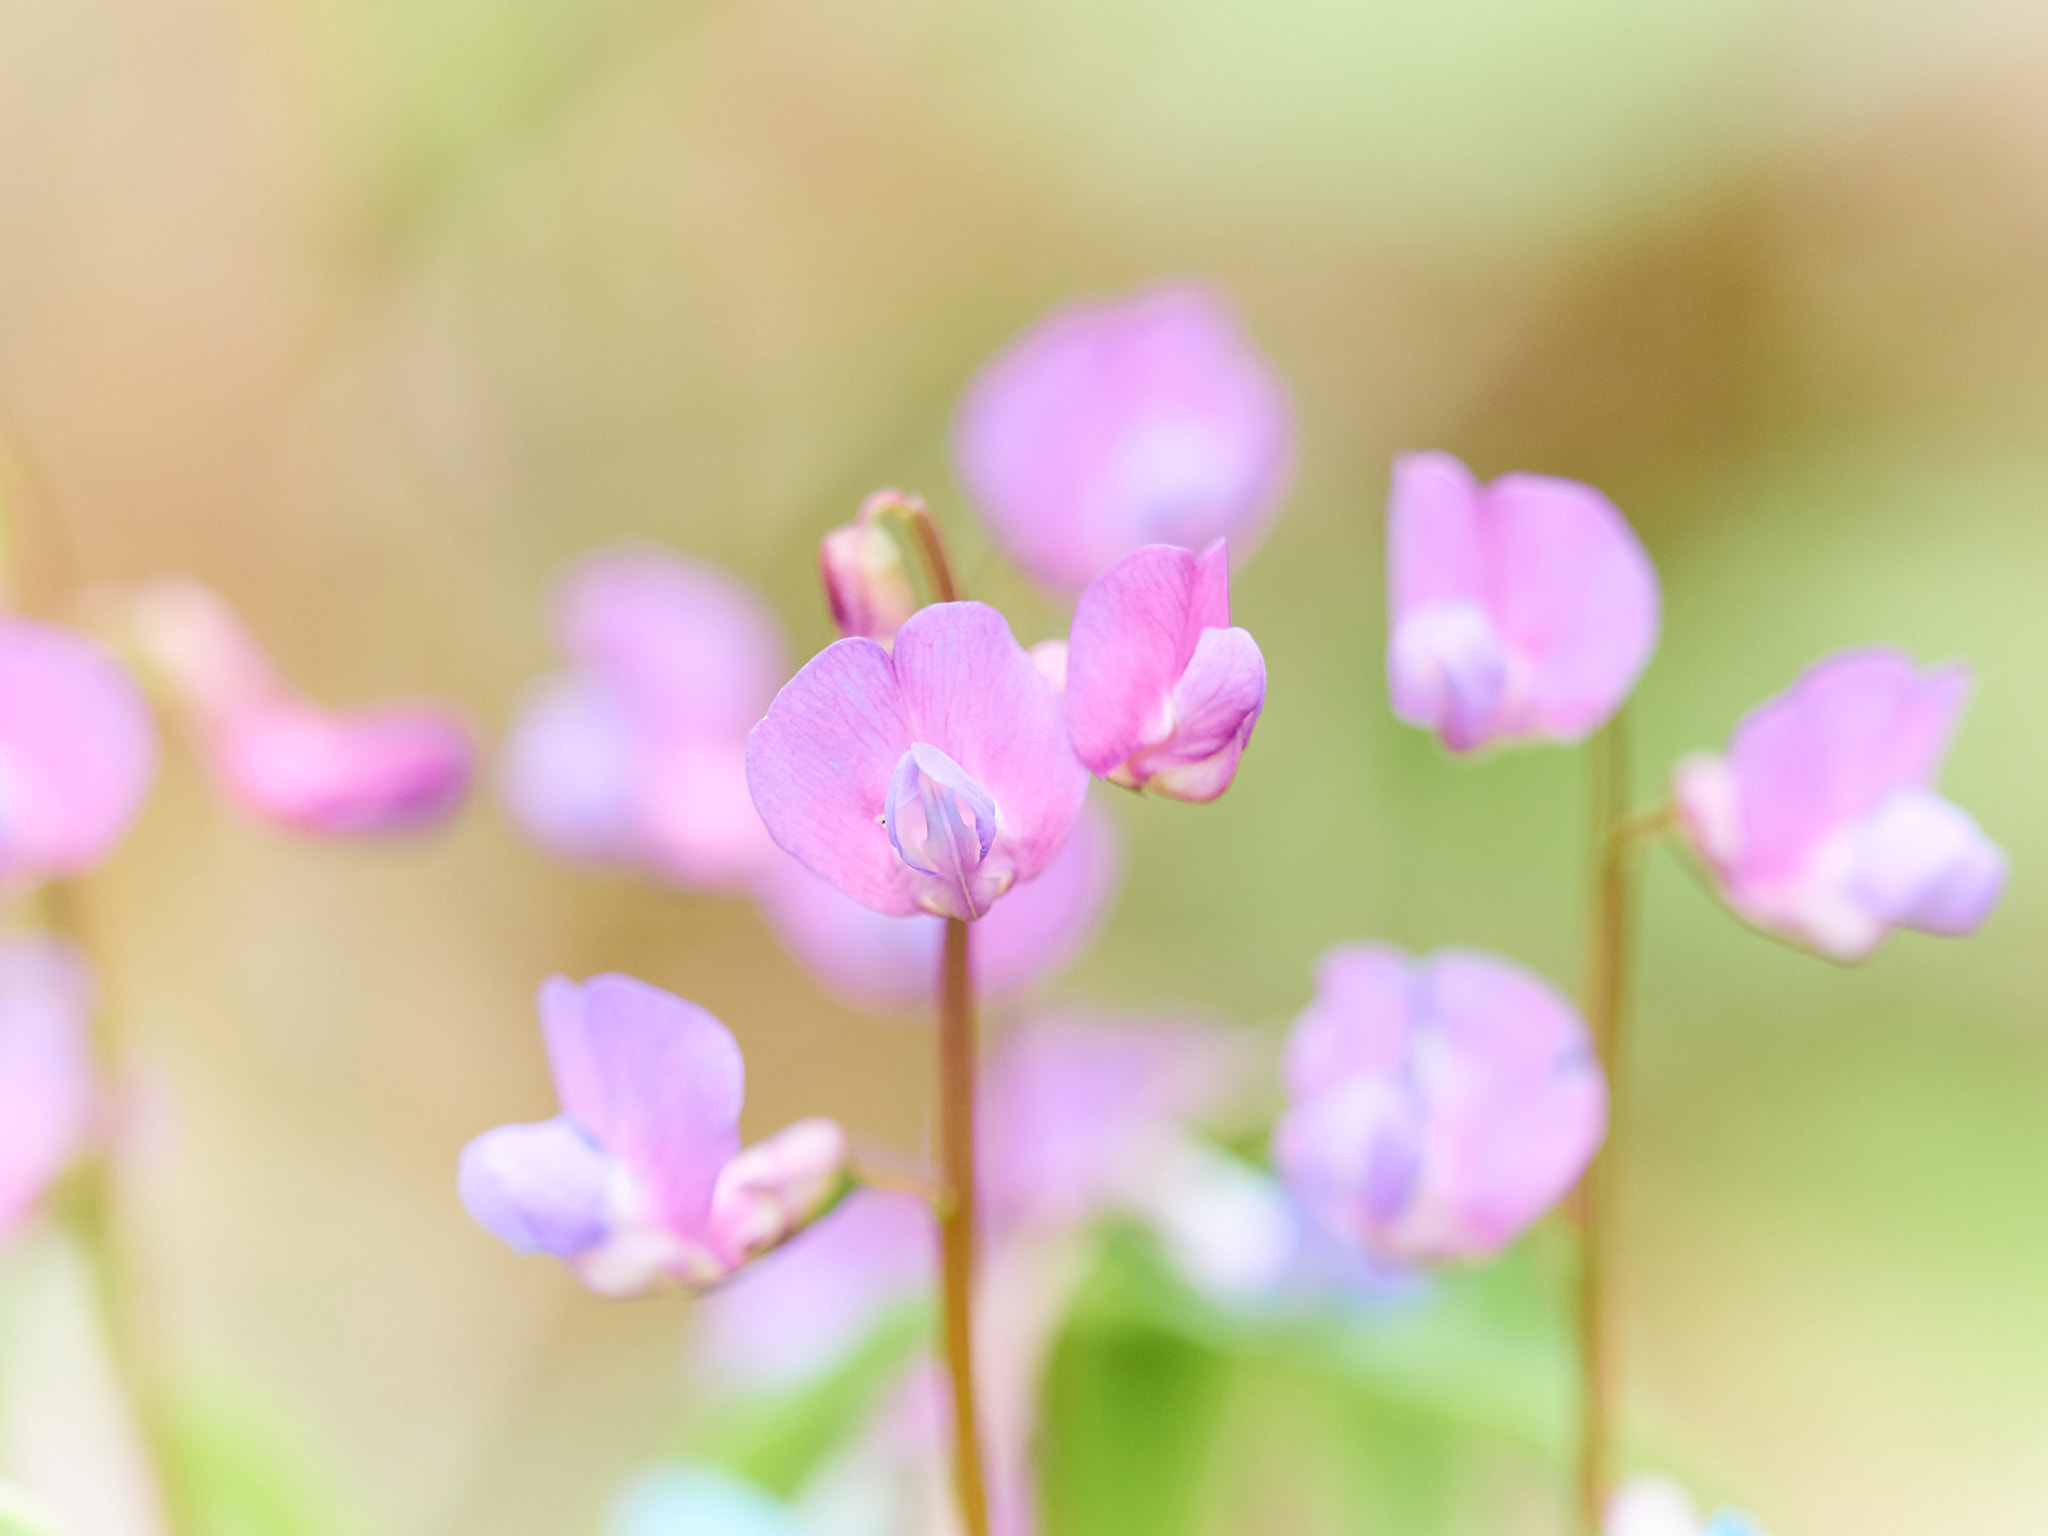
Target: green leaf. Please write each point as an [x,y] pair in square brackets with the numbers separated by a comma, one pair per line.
[242,1471]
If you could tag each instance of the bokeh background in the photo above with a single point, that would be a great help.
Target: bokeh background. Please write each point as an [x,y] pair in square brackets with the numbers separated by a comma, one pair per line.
[372,313]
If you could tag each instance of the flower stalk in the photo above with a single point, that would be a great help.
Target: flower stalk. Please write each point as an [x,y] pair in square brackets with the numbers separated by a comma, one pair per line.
[957,1070]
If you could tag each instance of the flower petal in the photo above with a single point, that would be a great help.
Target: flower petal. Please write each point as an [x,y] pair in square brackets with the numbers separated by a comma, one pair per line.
[49,1097]
[1215,705]
[1434,551]
[819,767]
[538,1188]
[1923,862]
[1129,643]
[969,690]
[656,1081]
[777,1187]
[1358,1023]
[391,768]
[1447,672]
[568,772]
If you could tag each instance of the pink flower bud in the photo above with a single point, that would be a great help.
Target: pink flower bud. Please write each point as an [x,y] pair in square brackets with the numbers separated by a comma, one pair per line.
[866,584]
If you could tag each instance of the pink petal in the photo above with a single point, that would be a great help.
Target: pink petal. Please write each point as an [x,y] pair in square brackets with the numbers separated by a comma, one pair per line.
[48,1095]
[969,690]
[678,637]
[1111,426]
[1576,600]
[1215,705]
[1131,638]
[656,1081]
[391,768]
[1852,729]
[1434,550]
[879,961]
[819,767]
[77,752]
[777,1187]
[1357,1024]
[570,771]
[696,819]
[1447,672]
[866,585]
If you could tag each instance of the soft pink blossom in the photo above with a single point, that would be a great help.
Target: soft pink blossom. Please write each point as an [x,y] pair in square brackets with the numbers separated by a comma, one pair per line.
[933,779]
[1522,609]
[1161,690]
[1822,821]
[1436,1107]
[641,1178]
[1108,426]
[867,585]
[383,768]
[637,753]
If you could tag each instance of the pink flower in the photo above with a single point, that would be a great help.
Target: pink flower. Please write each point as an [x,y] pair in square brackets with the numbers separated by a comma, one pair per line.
[893,962]
[641,1179]
[386,768]
[932,780]
[1822,822]
[866,584]
[48,1098]
[1113,425]
[1436,1107]
[1521,609]
[637,754]
[1161,691]
[77,752]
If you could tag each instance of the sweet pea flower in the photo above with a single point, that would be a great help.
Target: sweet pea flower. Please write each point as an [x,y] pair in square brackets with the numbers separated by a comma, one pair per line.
[1656,1506]
[930,780]
[385,768]
[1523,609]
[48,1098]
[867,585]
[641,1179]
[637,754]
[1161,691]
[1822,822]
[893,962]
[1437,1107]
[77,752]
[1109,426]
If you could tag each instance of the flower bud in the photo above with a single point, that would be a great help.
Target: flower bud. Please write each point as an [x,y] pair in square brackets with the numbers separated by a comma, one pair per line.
[866,581]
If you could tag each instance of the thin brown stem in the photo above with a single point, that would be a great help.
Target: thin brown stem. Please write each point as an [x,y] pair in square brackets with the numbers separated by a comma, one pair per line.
[957,1066]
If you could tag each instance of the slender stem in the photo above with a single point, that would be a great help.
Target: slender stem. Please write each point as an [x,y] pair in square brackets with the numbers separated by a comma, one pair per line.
[1607,956]
[956,1222]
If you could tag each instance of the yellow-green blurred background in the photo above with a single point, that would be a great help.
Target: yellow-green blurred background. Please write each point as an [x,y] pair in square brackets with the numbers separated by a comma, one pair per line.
[374,312]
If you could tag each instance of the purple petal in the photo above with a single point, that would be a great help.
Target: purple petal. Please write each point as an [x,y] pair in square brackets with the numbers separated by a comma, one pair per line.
[679,638]
[77,752]
[1215,706]
[1358,1023]
[48,1096]
[1446,672]
[657,1082]
[942,822]
[1576,600]
[1923,862]
[819,767]
[1112,426]
[893,962]
[537,1188]
[969,690]
[393,768]
[1827,751]
[569,770]
[797,1311]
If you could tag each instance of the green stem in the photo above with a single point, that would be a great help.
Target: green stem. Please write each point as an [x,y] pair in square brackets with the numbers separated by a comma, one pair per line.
[957,1065]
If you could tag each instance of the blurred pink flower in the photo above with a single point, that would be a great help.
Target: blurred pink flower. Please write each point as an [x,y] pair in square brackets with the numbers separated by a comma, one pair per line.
[77,752]
[930,780]
[893,962]
[637,754]
[385,768]
[1822,822]
[1436,1107]
[641,1178]
[1108,426]
[1656,1506]
[1521,609]
[1161,691]
[866,583]
[48,1098]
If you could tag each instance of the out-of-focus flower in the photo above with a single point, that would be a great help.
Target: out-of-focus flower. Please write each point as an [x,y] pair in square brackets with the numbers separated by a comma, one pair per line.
[641,1178]
[893,962]
[1161,691]
[1524,608]
[48,1097]
[930,780]
[1437,1107]
[1822,821]
[1109,426]
[861,564]
[1656,1506]
[690,1500]
[77,752]
[385,768]
[637,754]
